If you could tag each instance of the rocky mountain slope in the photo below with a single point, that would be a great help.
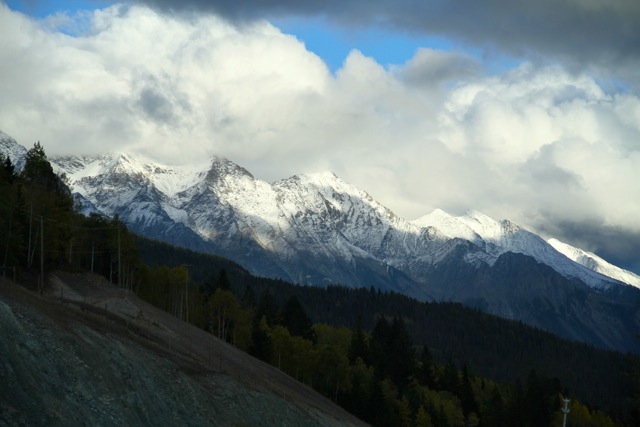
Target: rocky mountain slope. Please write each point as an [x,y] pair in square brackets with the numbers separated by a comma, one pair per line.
[311,214]
[104,357]
[10,148]
[317,229]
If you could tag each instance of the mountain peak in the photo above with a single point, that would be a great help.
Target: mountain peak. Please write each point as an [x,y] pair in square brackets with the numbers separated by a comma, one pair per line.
[220,167]
[318,179]
[450,226]
[323,176]
[13,150]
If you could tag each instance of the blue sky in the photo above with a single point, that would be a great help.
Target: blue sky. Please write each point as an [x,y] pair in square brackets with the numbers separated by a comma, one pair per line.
[523,110]
[331,42]
[41,9]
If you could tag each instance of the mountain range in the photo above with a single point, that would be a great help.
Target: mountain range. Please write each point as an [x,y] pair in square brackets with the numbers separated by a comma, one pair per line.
[316,229]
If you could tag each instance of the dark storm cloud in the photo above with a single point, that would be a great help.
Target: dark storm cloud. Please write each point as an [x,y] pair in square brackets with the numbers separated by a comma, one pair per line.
[584,32]
[433,67]
[160,99]
[541,170]
[156,106]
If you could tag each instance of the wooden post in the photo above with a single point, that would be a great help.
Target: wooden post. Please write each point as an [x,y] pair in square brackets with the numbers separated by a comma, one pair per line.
[42,253]
[119,260]
[29,248]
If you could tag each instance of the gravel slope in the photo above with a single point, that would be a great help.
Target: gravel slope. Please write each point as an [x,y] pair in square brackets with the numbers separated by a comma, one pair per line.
[101,357]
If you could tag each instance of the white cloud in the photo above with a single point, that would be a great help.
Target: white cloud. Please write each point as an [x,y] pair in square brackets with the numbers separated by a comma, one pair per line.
[534,144]
[557,142]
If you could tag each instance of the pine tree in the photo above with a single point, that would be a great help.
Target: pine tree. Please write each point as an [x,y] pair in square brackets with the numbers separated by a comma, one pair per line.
[295,319]
[402,361]
[223,281]
[425,370]
[261,344]
[380,357]
[494,414]
[359,347]
[10,224]
[37,169]
[467,397]
[46,197]
[268,309]
[248,300]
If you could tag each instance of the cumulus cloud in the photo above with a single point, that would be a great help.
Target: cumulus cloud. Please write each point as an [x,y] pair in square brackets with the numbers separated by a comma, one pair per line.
[595,32]
[540,144]
[560,140]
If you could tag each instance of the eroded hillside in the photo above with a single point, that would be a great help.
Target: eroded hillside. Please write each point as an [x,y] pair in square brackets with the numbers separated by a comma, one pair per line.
[87,353]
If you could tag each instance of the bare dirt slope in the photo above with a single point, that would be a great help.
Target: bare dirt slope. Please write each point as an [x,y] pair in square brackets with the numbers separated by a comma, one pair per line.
[88,353]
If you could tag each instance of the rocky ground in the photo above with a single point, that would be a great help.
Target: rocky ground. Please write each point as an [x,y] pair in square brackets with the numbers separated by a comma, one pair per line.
[88,353]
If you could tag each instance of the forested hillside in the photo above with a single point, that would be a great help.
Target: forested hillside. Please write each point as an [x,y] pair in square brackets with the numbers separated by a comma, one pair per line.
[387,358]
[41,229]
[495,348]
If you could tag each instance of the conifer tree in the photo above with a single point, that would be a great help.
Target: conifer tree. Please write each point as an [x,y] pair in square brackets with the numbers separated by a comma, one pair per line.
[467,396]
[248,300]
[425,371]
[402,357]
[261,345]
[359,347]
[37,169]
[268,309]
[295,319]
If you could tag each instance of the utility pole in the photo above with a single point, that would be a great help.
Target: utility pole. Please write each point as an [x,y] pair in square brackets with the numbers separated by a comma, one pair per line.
[565,411]
[186,289]
[6,252]
[119,260]
[30,225]
[41,253]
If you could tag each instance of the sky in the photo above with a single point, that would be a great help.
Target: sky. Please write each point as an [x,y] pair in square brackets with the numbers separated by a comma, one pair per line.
[527,110]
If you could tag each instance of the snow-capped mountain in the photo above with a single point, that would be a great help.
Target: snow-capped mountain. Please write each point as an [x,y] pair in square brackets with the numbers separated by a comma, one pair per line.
[498,237]
[595,263]
[317,229]
[10,148]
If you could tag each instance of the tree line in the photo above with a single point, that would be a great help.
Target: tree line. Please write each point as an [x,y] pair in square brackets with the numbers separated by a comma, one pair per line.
[41,228]
[509,360]
[380,375]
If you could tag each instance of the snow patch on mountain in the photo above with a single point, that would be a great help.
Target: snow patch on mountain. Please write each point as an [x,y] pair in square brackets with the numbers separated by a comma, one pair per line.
[450,225]
[499,237]
[594,262]
[170,180]
[10,148]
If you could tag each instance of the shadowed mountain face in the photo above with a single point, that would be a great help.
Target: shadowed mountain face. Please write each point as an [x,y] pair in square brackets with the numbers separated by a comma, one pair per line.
[317,229]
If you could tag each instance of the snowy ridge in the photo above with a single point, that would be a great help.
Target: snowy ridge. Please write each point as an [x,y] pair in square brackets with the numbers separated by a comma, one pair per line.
[168,179]
[313,216]
[10,148]
[594,262]
[450,226]
[499,237]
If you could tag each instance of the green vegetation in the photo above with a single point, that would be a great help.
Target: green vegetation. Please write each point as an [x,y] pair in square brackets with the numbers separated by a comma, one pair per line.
[387,358]
[391,359]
